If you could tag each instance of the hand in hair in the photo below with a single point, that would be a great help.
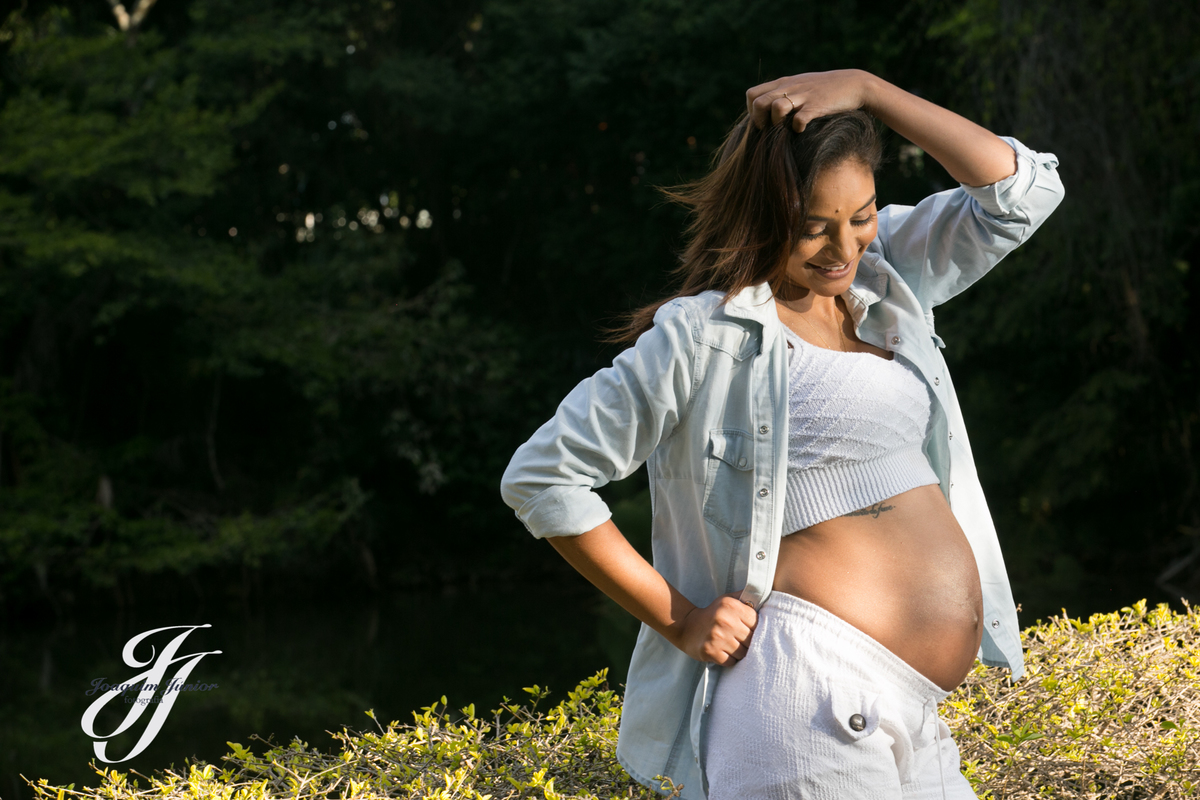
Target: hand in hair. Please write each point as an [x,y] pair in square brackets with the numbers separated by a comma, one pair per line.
[810,95]
[971,154]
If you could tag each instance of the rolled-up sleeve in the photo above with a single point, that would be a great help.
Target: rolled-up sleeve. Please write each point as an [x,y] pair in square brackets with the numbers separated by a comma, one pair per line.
[951,239]
[603,431]
[1022,195]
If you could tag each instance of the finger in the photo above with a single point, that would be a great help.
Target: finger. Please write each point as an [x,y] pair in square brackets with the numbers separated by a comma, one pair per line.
[740,646]
[808,113]
[772,107]
[724,657]
[740,653]
[755,92]
[746,610]
[749,616]
[802,118]
[731,606]
[727,638]
[782,106]
[760,110]
[728,659]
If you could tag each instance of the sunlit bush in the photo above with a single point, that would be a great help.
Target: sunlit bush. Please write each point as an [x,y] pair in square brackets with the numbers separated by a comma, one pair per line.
[1110,708]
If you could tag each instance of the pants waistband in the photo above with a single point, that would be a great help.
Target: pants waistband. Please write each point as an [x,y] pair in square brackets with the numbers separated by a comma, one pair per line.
[895,670]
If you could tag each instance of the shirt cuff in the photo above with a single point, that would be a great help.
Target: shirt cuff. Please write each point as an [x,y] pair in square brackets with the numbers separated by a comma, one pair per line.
[563,511]
[1001,197]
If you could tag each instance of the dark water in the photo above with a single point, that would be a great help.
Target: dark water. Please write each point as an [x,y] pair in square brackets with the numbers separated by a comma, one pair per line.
[293,666]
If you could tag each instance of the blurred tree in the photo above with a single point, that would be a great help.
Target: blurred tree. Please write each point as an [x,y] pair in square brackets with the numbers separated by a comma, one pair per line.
[282,280]
[211,310]
[1075,357]
[275,271]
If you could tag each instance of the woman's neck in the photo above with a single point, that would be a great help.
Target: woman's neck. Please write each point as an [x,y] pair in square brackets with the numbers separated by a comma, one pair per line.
[811,304]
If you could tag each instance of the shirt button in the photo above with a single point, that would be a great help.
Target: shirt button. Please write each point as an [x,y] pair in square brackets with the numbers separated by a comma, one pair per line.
[763,492]
[995,623]
[951,435]
[764,429]
[937,381]
[857,722]
[741,462]
[760,555]
[895,340]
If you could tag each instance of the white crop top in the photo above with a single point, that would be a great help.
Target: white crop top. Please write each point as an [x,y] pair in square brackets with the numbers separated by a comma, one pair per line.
[856,425]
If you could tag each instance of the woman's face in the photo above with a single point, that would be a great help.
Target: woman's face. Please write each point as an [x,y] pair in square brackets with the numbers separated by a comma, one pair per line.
[841,223]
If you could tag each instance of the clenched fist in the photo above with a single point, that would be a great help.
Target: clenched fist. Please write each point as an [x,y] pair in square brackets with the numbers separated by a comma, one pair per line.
[720,632]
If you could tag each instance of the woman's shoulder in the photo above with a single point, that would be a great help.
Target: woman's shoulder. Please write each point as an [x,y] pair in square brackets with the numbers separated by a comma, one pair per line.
[701,304]
[694,311]
[713,309]
[706,318]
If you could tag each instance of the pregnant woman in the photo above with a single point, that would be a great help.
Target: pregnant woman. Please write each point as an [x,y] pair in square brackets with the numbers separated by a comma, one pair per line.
[825,569]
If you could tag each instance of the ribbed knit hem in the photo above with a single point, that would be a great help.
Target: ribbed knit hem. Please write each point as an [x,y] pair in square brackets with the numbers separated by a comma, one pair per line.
[832,490]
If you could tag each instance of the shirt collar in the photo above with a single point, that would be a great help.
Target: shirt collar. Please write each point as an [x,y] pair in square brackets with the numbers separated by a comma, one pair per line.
[869,287]
[754,303]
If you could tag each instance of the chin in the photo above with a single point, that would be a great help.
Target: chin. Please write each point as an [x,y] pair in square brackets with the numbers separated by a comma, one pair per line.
[827,289]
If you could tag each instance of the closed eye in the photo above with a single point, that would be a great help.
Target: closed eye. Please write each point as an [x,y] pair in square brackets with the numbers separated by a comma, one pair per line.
[858,223]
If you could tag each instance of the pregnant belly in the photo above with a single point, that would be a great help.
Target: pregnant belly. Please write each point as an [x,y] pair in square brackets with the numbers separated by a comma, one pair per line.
[902,572]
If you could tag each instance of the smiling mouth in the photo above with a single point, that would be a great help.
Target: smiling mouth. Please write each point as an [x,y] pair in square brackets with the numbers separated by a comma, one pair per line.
[834,268]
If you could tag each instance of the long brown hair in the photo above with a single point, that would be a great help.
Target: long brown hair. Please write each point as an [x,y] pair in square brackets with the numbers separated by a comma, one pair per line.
[748,211]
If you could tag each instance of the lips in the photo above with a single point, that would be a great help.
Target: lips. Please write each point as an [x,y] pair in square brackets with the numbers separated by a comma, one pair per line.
[835,271]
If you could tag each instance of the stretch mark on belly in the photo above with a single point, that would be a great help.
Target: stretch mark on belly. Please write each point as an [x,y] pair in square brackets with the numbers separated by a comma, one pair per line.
[872,511]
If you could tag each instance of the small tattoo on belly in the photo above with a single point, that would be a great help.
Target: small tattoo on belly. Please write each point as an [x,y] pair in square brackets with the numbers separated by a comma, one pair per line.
[872,511]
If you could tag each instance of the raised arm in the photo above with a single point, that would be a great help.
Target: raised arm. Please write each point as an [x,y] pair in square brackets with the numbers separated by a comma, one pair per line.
[971,154]
[950,239]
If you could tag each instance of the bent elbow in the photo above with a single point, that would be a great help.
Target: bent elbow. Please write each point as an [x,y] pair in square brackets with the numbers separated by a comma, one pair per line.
[512,490]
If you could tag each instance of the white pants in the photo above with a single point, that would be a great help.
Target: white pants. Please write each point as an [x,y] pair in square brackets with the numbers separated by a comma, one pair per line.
[818,709]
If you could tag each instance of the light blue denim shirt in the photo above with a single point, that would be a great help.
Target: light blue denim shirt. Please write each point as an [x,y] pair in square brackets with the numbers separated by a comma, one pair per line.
[701,398]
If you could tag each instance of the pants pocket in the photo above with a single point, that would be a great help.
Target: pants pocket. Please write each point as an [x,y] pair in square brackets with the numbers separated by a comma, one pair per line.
[852,711]
[857,712]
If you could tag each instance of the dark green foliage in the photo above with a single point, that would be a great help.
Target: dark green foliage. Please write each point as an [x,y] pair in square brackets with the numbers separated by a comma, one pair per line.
[206,370]
[1076,358]
[341,378]
[183,397]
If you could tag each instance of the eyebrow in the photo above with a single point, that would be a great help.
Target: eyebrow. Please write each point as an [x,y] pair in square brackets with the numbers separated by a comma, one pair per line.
[826,219]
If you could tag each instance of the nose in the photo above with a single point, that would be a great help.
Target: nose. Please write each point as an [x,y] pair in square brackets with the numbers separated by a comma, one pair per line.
[843,245]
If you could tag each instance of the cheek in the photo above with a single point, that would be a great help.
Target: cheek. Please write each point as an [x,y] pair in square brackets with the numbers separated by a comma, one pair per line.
[805,251]
[866,237]
[869,235]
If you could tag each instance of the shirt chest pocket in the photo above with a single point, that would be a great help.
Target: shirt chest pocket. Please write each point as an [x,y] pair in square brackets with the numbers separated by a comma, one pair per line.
[729,481]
